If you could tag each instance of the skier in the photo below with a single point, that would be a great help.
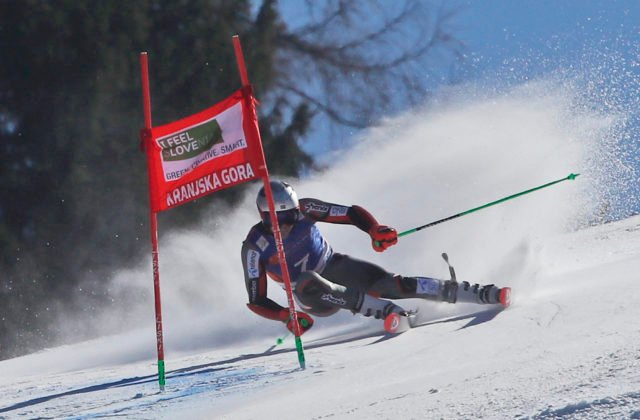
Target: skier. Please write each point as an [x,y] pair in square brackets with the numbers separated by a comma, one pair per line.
[324,281]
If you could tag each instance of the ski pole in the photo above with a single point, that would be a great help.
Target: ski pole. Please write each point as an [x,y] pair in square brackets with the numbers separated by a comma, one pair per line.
[464,213]
[280,340]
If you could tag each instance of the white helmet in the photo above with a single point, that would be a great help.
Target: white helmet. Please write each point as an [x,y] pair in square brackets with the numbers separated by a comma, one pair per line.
[285,201]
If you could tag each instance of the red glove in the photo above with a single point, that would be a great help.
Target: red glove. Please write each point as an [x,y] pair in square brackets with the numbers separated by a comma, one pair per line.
[304,320]
[382,237]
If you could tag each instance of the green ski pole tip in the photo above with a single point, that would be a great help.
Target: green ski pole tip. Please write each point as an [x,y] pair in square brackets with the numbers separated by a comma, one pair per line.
[279,341]
[572,176]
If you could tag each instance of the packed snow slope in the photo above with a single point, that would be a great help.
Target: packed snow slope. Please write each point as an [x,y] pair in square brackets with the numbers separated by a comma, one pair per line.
[568,347]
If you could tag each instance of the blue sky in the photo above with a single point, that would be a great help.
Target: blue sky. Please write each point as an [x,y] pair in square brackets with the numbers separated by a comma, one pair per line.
[524,39]
[499,31]
[595,41]
[512,41]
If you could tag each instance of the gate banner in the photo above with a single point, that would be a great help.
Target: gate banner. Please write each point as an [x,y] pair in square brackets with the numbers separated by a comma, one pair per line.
[206,152]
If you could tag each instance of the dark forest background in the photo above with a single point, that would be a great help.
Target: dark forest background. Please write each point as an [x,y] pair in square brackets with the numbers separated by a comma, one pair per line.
[73,195]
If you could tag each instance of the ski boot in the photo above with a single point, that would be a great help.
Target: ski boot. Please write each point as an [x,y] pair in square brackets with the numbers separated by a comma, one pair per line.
[453,291]
[487,294]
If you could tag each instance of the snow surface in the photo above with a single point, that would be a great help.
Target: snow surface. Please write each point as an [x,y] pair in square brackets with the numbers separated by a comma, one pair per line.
[567,348]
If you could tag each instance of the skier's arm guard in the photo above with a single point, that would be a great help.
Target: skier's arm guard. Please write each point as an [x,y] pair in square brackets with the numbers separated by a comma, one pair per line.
[255,278]
[335,213]
[275,312]
[382,237]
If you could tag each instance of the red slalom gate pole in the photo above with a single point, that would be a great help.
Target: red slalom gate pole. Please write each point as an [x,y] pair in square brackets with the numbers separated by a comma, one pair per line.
[272,211]
[153,223]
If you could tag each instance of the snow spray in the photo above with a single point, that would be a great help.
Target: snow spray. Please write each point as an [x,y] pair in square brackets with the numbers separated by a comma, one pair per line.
[449,155]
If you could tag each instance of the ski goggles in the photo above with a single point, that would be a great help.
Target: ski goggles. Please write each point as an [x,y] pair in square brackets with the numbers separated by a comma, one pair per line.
[285,217]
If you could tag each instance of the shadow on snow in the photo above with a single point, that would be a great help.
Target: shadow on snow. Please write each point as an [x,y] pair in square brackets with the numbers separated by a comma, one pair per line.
[475,318]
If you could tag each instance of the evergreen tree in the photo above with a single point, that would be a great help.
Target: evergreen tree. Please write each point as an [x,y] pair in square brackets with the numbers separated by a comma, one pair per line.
[73,194]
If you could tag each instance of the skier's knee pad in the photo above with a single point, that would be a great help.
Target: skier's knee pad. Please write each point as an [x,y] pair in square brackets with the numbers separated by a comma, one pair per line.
[310,287]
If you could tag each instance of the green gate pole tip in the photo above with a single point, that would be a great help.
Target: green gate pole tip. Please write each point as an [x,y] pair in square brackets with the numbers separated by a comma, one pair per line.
[301,360]
[161,377]
[572,176]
